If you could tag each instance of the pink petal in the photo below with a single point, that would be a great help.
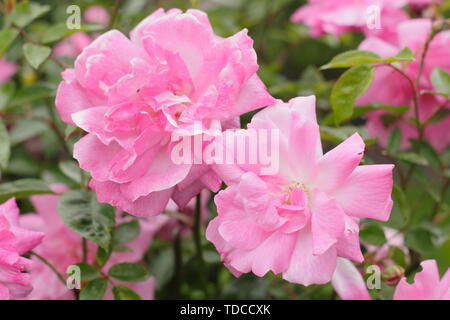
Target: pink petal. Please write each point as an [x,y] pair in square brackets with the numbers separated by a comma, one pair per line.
[367,192]
[327,223]
[348,281]
[425,286]
[306,268]
[337,164]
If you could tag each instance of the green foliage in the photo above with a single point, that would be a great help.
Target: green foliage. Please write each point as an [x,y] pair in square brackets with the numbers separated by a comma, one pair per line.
[82,213]
[36,147]
[95,289]
[352,84]
[125,293]
[36,54]
[129,272]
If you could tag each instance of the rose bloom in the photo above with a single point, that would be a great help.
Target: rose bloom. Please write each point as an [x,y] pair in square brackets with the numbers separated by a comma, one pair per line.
[389,87]
[350,285]
[337,17]
[98,15]
[297,222]
[14,242]
[131,95]
[7,70]
[72,45]
[62,248]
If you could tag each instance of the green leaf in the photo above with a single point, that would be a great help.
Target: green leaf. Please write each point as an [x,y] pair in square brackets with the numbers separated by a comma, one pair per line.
[55,32]
[126,232]
[413,158]
[400,200]
[95,289]
[439,116]
[427,150]
[25,129]
[88,272]
[102,256]
[373,234]
[394,141]
[6,38]
[125,293]
[440,79]
[355,58]
[352,58]
[25,12]
[5,146]
[82,213]
[71,170]
[35,54]
[398,256]
[129,272]
[31,93]
[405,54]
[352,84]
[420,240]
[6,92]
[22,189]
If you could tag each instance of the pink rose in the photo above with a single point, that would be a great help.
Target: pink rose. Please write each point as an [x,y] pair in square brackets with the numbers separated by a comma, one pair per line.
[62,248]
[350,285]
[7,70]
[72,45]
[14,242]
[298,221]
[389,87]
[426,286]
[132,95]
[98,15]
[337,17]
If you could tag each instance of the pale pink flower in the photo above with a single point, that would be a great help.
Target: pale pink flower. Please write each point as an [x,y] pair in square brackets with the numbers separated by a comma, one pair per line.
[72,45]
[393,238]
[389,87]
[7,70]
[300,220]
[348,281]
[426,286]
[14,242]
[350,285]
[62,248]
[132,95]
[336,17]
[98,15]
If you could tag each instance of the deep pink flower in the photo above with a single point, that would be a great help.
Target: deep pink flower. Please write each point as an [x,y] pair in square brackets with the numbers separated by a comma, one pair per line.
[14,242]
[132,95]
[62,248]
[7,70]
[391,88]
[336,17]
[300,220]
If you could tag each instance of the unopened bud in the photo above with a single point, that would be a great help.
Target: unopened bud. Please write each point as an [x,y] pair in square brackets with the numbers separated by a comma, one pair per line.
[392,275]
